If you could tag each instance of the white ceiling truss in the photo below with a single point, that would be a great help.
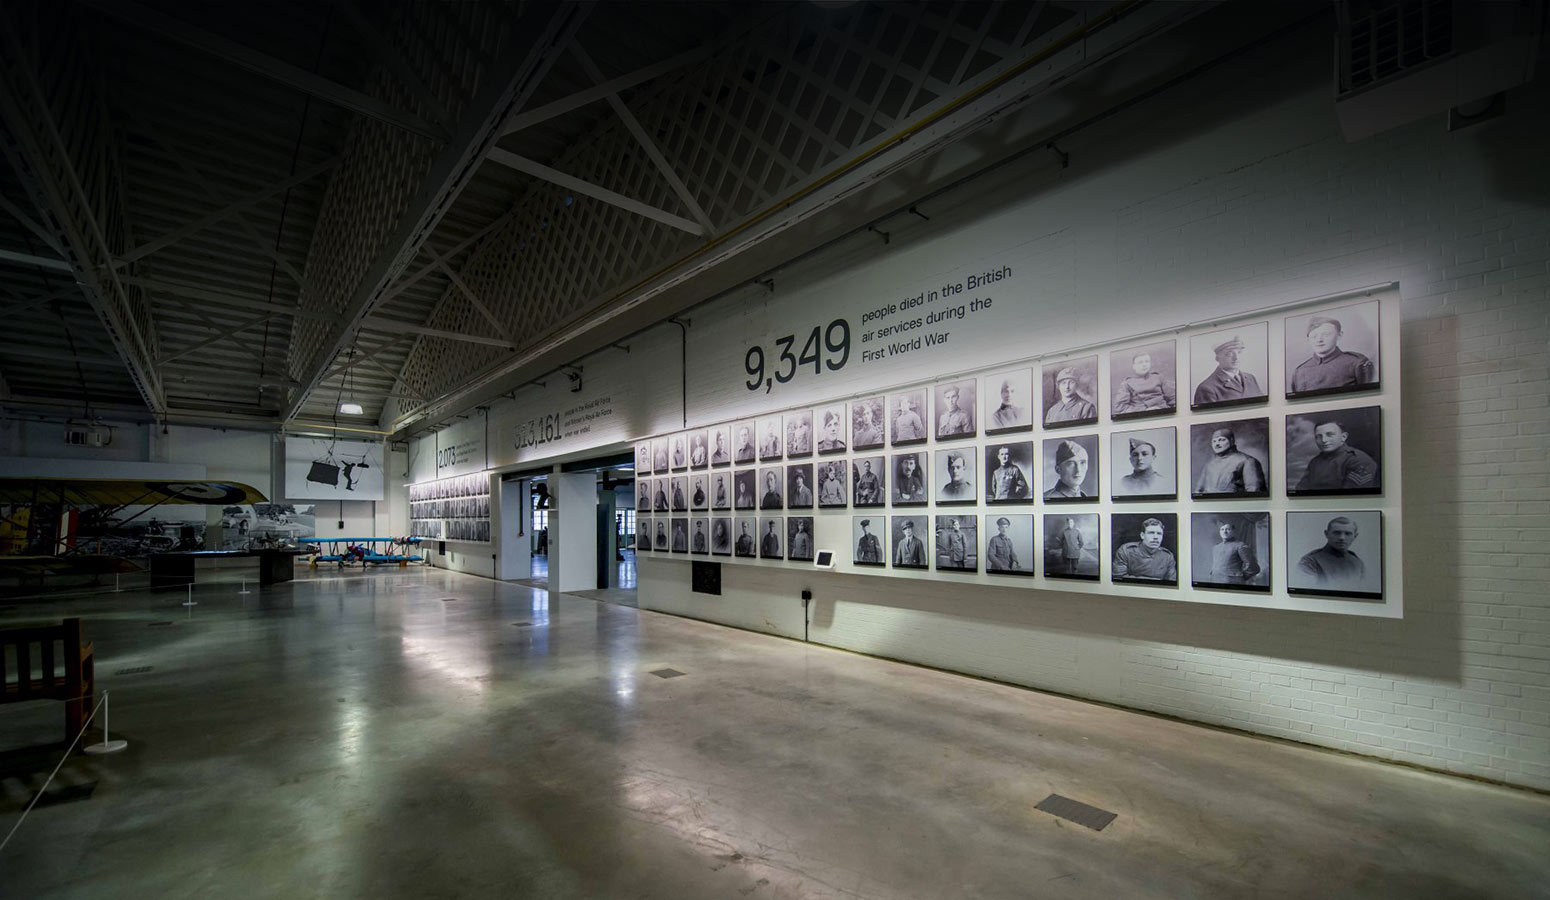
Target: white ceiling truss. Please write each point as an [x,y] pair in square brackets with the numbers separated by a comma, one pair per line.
[228,214]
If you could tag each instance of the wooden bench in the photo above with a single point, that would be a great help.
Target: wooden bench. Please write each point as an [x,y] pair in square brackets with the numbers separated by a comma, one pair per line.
[24,649]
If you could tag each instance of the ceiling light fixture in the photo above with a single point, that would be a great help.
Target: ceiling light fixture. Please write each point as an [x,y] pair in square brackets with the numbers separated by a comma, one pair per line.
[349,407]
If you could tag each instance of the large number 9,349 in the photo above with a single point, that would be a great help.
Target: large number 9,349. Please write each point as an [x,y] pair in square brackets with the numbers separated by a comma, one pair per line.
[835,339]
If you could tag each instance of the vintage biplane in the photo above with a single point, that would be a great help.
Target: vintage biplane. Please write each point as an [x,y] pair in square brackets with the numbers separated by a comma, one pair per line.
[58,526]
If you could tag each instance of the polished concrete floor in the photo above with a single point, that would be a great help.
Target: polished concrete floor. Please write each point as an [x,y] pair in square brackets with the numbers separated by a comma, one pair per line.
[423,734]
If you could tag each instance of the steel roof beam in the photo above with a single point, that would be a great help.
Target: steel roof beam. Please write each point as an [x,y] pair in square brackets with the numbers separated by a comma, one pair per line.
[502,92]
[194,292]
[29,259]
[258,63]
[31,225]
[393,326]
[613,198]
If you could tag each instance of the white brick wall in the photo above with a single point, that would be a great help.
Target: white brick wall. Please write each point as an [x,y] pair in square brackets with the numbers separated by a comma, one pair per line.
[1248,200]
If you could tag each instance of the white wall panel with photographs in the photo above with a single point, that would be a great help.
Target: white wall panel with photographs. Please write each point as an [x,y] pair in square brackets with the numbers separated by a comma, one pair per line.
[1249,461]
[451,509]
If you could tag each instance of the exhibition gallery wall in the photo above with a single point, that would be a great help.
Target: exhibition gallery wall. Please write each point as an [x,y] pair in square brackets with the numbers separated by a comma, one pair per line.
[1245,427]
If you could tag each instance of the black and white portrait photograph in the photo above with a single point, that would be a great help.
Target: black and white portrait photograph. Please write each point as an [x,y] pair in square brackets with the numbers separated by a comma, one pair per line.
[1333,351]
[642,535]
[907,547]
[661,544]
[721,490]
[699,449]
[799,538]
[771,537]
[1009,472]
[1071,468]
[866,547]
[1008,401]
[1230,367]
[680,443]
[680,535]
[1071,392]
[660,487]
[870,474]
[680,496]
[745,538]
[771,439]
[721,536]
[832,427]
[906,418]
[643,458]
[772,487]
[699,492]
[1336,451]
[744,442]
[1146,548]
[1144,464]
[957,543]
[954,410]
[1230,459]
[745,484]
[643,495]
[721,445]
[832,489]
[1230,551]
[799,486]
[910,479]
[867,418]
[1144,380]
[955,476]
[1009,544]
[659,456]
[1335,553]
[799,433]
[1073,546]
[699,535]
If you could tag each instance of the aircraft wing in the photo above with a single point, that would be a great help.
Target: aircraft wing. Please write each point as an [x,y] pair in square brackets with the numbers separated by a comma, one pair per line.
[80,492]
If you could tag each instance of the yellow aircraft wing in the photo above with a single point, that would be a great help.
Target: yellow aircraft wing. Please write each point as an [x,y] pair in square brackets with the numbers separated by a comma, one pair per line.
[82,492]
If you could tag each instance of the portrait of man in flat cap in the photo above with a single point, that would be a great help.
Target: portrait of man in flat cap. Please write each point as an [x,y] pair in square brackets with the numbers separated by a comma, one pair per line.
[1143,464]
[1229,366]
[1069,391]
[1332,352]
[1070,468]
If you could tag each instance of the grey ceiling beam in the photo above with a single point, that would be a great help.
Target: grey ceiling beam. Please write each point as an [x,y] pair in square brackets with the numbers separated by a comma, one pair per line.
[225,212]
[141,16]
[220,335]
[414,277]
[31,259]
[393,326]
[502,92]
[613,198]
[195,292]
[646,143]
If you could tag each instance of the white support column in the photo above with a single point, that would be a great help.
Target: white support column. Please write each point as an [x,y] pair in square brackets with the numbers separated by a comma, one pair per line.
[516,509]
[573,531]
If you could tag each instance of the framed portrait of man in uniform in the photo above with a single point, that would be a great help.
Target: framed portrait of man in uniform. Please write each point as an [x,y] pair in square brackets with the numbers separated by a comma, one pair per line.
[643,458]
[699,491]
[868,423]
[643,494]
[699,535]
[869,476]
[1008,401]
[1144,380]
[771,438]
[745,487]
[659,456]
[680,493]
[661,544]
[955,475]
[745,442]
[911,481]
[721,536]
[1143,464]
[1230,367]
[1333,351]
[1334,451]
[680,451]
[1009,544]
[721,445]
[699,449]
[745,537]
[1335,553]
[1230,458]
[954,410]
[833,487]
[799,433]
[772,488]
[642,535]
[1009,472]
[680,534]
[831,423]
[772,537]
[1230,551]
[1073,546]
[721,490]
[908,550]
[906,418]
[799,538]
[1071,469]
[1146,548]
[957,543]
[867,536]
[1071,392]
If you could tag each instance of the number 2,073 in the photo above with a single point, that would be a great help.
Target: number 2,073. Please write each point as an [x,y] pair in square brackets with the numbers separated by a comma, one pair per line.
[835,339]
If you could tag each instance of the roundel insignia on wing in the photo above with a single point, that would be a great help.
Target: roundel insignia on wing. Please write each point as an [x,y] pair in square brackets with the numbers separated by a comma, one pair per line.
[207,491]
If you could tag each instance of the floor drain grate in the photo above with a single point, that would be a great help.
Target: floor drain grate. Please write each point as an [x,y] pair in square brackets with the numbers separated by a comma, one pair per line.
[1076,811]
[134,670]
[157,624]
[667,673]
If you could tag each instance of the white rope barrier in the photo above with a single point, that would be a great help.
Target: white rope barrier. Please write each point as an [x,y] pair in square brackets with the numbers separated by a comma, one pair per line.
[101,704]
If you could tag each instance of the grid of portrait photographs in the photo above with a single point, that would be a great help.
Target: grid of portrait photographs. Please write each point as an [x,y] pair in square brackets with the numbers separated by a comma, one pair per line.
[1192,500]
[451,509]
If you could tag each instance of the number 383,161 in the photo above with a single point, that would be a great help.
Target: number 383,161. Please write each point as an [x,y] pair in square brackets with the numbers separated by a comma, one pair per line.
[833,339]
